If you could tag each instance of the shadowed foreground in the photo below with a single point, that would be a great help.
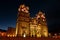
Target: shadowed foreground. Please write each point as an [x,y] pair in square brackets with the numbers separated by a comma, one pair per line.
[27,38]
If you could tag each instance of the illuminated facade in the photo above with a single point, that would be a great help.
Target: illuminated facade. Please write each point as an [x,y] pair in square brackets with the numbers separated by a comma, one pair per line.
[3,33]
[11,32]
[33,27]
[23,21]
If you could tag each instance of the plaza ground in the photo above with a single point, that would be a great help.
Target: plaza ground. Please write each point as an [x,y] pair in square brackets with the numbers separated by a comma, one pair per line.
[28,38]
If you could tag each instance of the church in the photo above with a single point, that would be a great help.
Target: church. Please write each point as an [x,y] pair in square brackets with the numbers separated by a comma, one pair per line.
[27,26]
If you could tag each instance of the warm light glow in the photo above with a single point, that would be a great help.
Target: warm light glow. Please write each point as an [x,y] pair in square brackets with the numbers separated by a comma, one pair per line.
[13,35]
[24,35]
[16,28]
[19,9]
[42,16]
[45,34]
[26,11]
[43,20]
[7,35]
[55,34]
[38,35]
[38,16]
[10,35]
[2,34]
[27,8]
[22,6]
[49,34]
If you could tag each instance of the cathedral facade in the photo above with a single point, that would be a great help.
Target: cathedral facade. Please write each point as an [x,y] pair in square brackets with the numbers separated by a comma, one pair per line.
[27,26]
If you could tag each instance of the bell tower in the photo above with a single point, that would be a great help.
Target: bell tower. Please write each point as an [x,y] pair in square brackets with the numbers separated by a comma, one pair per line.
[22,26]
[43,24]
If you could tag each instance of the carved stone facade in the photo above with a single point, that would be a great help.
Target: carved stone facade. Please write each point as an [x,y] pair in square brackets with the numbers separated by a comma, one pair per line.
[33,27]
[23,21]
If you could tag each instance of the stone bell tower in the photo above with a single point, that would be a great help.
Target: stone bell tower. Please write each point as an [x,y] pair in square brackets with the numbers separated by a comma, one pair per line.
[22,26]
[43,24]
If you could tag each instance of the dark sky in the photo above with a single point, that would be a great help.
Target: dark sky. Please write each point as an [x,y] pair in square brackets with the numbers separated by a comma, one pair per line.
[8,12]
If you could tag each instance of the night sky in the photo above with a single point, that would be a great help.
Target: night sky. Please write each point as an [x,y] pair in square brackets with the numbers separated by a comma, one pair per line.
[9,11]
